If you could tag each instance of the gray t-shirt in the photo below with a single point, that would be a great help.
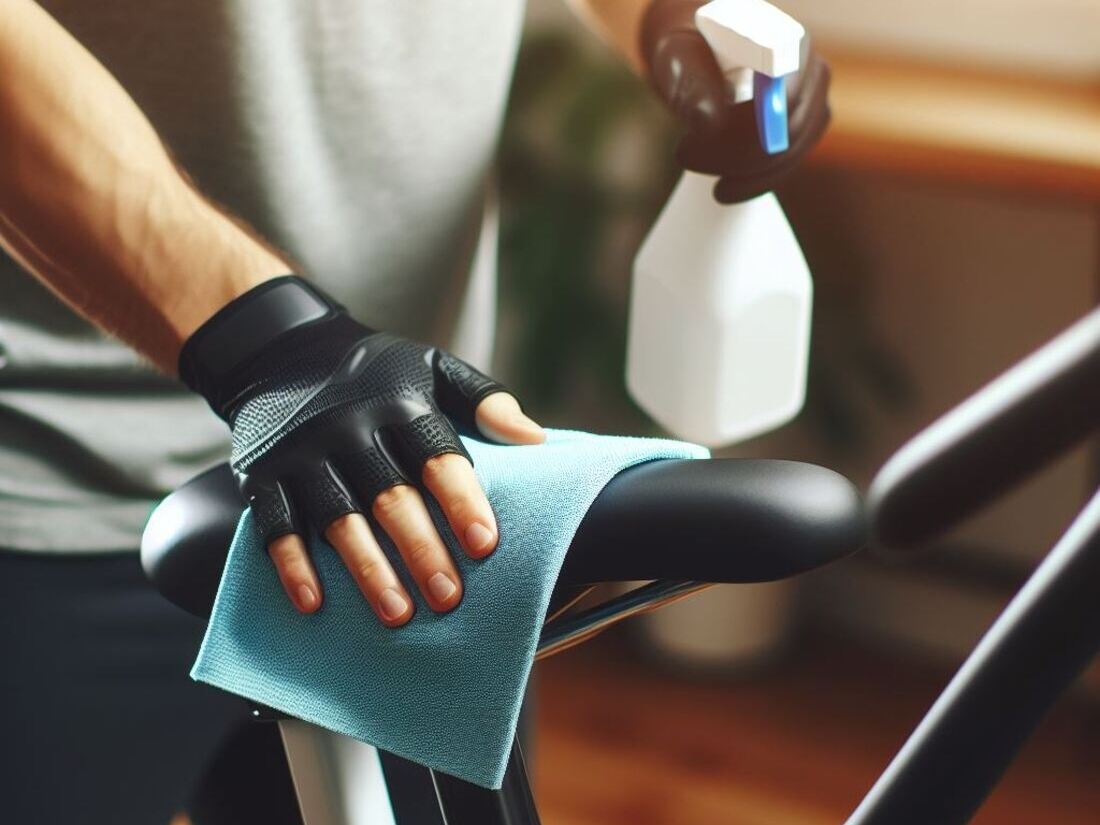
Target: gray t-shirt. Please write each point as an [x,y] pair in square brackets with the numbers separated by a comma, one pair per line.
[356,134]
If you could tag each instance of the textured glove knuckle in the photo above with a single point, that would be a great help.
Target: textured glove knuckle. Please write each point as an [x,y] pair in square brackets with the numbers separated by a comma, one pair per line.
[326,504]
[271,515]
[428,437]
[369,473]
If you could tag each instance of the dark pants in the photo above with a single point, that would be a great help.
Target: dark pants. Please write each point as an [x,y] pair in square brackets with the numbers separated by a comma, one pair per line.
[99,720]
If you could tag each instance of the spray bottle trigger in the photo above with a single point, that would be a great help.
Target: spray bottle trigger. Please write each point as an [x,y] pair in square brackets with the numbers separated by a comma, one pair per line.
[770,102]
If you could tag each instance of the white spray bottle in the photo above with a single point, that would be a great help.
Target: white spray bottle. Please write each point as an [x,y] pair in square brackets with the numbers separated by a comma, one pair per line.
[719,333]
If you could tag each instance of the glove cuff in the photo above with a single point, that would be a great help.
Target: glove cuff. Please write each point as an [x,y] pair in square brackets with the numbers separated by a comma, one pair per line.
[247,326]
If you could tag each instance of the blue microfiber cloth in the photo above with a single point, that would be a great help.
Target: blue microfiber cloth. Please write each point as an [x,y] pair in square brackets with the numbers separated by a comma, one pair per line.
[444,690]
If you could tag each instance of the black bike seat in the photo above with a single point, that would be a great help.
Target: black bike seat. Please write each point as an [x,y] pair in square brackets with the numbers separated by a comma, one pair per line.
[718,520]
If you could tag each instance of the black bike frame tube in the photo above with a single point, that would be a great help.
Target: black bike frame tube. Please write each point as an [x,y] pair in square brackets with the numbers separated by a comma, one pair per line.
[463,803]
[1032,653]
[1017,423]
[411,790]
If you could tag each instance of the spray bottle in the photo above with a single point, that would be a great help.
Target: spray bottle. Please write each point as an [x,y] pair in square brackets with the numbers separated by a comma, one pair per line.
[719,334]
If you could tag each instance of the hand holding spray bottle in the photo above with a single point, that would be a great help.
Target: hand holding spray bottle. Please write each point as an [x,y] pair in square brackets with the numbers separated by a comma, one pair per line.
[719,333]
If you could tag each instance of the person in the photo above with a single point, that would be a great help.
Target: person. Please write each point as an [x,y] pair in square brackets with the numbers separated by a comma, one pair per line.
[167,172]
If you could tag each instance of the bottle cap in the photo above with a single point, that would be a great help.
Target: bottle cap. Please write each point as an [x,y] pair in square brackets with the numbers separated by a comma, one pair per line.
[755,35]
[751,34]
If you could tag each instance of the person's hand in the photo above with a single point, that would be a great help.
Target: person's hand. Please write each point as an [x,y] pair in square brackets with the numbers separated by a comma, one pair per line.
[330,420]
[720,135]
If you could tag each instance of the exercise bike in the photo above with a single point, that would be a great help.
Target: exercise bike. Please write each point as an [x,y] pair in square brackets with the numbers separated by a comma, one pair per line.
[683,525]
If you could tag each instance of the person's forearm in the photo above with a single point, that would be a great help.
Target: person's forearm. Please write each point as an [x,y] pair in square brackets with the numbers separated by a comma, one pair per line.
[92,204]
[617,22]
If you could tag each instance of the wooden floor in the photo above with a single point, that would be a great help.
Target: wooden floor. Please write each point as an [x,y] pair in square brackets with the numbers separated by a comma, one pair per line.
[625,742]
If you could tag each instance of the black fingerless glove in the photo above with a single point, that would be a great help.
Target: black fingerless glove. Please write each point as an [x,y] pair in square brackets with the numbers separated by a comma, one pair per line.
[325,413]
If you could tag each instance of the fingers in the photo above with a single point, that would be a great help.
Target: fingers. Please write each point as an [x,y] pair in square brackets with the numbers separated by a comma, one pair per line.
[740,187]
[401,512]
[288,552]
[735,146]
[685,73]
[681,66]
[451,480]
[351,537]
[274,519]
[810,102]
[329,494]
[500,418]
[733,151]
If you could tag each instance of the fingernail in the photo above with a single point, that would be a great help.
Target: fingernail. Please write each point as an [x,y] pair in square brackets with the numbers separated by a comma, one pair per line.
[479,538]
[392,604]
[441,587]
[307,599]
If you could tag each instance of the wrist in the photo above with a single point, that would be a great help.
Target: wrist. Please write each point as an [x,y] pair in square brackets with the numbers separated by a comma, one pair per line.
[216,261]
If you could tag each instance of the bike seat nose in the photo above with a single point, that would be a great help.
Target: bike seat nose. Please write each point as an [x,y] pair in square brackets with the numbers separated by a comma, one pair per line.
[718,520]
[186,540]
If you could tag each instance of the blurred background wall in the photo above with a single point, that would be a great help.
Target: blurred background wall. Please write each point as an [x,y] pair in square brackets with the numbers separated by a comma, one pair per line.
[951,223]
[1047,37]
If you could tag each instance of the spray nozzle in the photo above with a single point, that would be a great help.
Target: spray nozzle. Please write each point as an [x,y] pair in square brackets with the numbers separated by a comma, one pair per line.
[757,46]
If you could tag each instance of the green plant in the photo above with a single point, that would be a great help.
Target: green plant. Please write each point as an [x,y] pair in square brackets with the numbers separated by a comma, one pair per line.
[572,117]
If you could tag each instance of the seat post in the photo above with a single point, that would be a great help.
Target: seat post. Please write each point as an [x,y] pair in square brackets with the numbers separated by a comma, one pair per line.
[463,803]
